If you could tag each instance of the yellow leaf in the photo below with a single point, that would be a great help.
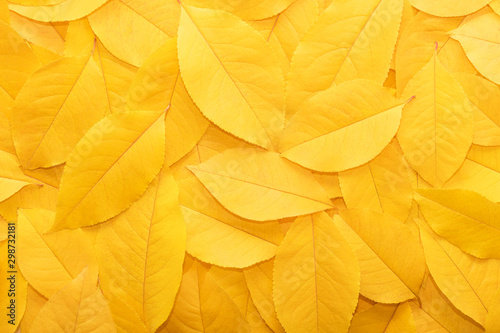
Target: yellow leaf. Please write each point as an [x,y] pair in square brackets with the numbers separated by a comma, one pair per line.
[495,5]
[78,307]
[232,281]
[68,10]
[390,258]
[17,61]
[157,87]
[203,306]
[469,283]
[11,289]
[118,76]
[384,319]
[352,39]
[330,183]
[110,168]
[246,9]
[358,120]
[34,302]
[141,252]
[132,29]
[51,115]
[50,261]
[218,237]
[436,129]
[6,142]
[479,173]
[39,33]
[259,279]
[242,179]
[450,212]
[480,39]
[4,11]
[437,314]
[416,45]
[316,277]
[249,85]
[125,318]
[31,196]
[80,38]
[47,176]
[449,7]
[492,323]
[485,99]
[12,179]
[382,185]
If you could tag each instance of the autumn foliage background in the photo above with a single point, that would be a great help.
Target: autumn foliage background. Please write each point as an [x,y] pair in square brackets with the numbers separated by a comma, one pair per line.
[250,166]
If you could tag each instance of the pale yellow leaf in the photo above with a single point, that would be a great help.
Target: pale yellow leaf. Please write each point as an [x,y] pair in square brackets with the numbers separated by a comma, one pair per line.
[34,302]
[390,257]
[132,29]
[316,277]
[449,7]
[495,5]
[246,9]
[30,196]
[216,236]
[40,33]
[51,115]
[68,10]
[202,306]
[437,128]
[352,39]
[79,307]
[214,59]
[141,252]
[17,60]
[342,127]
[480,39]
[382,185]
[485,99]
[469,283]
[259,279]
[12,179]
[243,179]
[50,260]
[479,173]
[450,212]
[158,86]
[118,76]
[110,168]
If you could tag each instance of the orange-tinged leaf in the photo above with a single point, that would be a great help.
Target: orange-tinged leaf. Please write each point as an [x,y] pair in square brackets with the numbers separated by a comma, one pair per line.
[436,129]
[450,212]
[216,236]
[55,108]
[469,283]
[50,260]
[249,85]
[242,179]
[141,252]
[480,39]
[110,168]
[132,29]
[316,277]
[352,39]
[376,238]
[382,185]
[157,87]
[358,120]
[78,307]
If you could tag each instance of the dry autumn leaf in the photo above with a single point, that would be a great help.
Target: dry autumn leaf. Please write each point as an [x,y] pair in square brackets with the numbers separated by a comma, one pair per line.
[250,166]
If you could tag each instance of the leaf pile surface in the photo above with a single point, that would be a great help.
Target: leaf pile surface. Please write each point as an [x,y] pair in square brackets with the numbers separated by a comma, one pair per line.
[250,166]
